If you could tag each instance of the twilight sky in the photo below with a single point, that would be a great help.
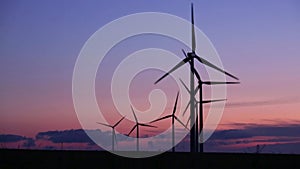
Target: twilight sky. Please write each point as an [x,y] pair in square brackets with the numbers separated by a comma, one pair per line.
[40,40]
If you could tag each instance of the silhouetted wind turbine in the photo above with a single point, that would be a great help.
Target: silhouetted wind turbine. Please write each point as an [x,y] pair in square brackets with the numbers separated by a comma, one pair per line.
[137,124]
[259,149]
[114,138]
[198,101]
[173,116]
[199,88]
[197,113]
[190,58]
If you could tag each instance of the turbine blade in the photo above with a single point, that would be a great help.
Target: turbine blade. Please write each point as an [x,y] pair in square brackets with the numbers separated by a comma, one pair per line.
[197,89]
[210,101]
[134,114]
[187,106]
[193,29]
[196,74]
[175,105]
[162,118]
[207,63]
[184,53]
[185,86]
[132,129]
[174,68]
[146,125]
[217,83]
[188,121]
[180,122]
[104,124]
[188,90]
[262,148]
[119,121]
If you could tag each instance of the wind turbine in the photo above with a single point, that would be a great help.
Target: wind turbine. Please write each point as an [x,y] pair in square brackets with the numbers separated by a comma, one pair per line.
[174,117]
[259,149]
[190,58]
[114,138]
[201,102]
[137,124]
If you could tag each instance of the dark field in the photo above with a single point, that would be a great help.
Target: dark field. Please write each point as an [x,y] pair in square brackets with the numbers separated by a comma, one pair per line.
[97,159]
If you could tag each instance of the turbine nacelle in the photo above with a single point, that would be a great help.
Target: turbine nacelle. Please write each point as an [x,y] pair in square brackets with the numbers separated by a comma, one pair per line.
[191,54]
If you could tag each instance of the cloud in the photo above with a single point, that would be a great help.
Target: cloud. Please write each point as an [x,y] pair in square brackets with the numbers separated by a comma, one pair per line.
[16,141]
[239,139]
[278,136]
[280,128]
[66,139]
[230,134]
[6,138]
[66,136]
[29,143]
[81,136]
[253,130]
[264,102]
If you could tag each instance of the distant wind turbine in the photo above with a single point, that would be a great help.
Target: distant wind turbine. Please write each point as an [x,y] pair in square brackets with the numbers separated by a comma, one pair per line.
[136,126]
[259,149]
[114,138]
[174,117]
